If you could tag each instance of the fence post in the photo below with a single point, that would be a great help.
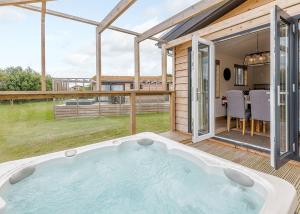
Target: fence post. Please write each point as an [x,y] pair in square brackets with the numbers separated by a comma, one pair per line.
[99,106]
[133,113]
[77,107]
[172,112]
[54,107]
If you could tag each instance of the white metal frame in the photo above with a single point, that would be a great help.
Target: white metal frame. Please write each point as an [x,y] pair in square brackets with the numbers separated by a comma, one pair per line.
[195,41]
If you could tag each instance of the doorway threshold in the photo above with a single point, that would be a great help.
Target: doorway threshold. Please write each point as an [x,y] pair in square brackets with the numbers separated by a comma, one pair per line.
[242,144]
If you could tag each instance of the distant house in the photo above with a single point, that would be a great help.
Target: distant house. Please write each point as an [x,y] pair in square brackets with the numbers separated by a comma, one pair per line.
[115,83]
[120,83]
[126,83]
[111,83]
[77,88]
[72,84]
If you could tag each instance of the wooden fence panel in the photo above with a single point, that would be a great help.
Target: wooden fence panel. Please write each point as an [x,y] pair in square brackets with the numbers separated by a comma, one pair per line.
[96,110]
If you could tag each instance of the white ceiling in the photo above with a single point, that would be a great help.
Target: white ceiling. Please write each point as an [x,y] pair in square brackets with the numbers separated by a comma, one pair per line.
[243,45]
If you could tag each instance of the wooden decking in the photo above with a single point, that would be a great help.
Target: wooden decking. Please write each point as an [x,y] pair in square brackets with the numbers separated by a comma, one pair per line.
[178,136]
[254,160]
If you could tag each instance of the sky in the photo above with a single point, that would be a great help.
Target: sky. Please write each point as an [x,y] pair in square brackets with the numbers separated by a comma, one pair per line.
[70,46]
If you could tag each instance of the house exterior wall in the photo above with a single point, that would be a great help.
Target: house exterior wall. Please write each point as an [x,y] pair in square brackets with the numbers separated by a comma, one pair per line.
[246,6]
[181,59]
[245,21]
[181,86]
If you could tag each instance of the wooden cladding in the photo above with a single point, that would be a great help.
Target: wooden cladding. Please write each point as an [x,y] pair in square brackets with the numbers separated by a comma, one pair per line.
[246,6]
[96,110]
[181,87]
[258,16]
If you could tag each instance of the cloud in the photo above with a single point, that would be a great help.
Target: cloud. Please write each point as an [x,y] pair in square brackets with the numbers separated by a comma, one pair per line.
[173,7]
[78,59]
[117,53]
[118,48]
[70,72]
[8,14]
[146,25]
[117,56]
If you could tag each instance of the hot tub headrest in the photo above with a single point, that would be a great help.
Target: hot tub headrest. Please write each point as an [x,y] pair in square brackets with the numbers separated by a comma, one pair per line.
[22,174]
[238,177]
[145,142]
[71,153]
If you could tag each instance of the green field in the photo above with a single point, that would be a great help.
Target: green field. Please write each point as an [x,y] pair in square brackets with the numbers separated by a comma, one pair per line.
[30,129]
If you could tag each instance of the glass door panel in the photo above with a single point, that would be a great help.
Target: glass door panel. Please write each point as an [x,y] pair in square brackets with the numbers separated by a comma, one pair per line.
[202,89]
[283,91]
[281,71]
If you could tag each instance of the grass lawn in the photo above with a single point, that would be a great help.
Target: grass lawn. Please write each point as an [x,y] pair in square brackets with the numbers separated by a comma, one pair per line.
[30,129]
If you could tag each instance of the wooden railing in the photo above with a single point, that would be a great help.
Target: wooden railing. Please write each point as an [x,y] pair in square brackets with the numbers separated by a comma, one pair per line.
[39,95]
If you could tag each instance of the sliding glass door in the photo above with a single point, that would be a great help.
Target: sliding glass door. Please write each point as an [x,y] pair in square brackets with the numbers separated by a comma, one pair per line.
[202,89]
[282,86]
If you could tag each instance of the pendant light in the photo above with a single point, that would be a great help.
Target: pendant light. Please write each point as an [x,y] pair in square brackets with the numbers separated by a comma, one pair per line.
[258,58]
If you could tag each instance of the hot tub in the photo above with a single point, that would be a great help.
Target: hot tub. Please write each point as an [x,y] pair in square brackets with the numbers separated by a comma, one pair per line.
[144,173]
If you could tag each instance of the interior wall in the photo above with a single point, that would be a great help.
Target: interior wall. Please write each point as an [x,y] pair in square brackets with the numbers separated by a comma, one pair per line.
[256,75]
[227,61]
[261,74]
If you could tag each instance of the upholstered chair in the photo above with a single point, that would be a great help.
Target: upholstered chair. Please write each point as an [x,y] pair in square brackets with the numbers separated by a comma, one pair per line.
[236,108]
[260,108]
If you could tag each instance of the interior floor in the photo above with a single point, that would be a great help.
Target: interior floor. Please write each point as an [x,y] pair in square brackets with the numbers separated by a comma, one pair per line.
[230,54]
[259,139]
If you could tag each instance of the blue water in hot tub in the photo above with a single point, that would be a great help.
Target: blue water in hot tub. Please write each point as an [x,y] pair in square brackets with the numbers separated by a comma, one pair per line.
[128,179]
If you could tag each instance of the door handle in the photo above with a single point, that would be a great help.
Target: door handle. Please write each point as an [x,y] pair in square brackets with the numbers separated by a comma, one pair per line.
[279,93]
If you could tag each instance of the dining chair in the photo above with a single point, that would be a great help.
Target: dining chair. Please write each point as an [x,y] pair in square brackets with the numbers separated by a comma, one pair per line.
[236,108]
[260,108]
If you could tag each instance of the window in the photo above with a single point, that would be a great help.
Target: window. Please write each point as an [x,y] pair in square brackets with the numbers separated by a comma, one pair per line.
[241,72]
[105,87]
[117,87]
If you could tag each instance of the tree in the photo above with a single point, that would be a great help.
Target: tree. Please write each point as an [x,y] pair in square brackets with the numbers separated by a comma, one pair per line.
[2,80]
[19,79]
[48,83]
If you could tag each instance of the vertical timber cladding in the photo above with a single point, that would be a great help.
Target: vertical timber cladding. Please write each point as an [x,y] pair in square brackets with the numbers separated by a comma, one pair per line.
[181,86]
